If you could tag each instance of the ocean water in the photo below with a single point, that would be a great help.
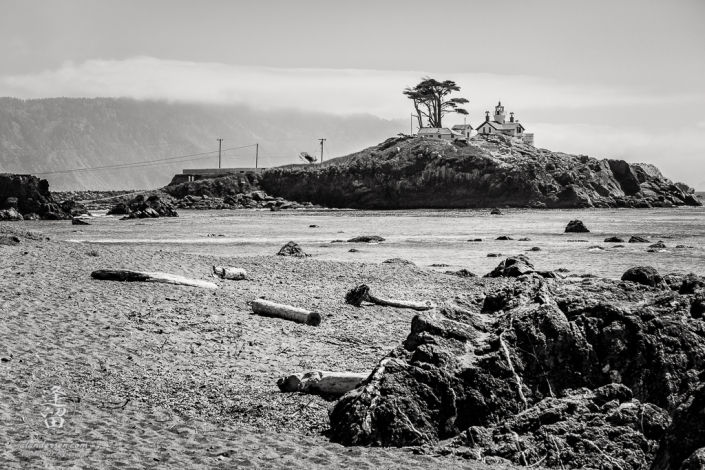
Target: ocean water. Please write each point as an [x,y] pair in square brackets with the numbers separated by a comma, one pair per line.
[425,237]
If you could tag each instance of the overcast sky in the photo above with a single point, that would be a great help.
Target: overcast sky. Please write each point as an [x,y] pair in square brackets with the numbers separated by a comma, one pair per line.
[611,79]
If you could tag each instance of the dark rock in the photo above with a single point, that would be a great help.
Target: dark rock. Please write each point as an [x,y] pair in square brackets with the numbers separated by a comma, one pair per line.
[525,239]
[577,241]
[10,240]
[576,226]
[439,265]
[614,240]
[79,222]
[562,270]
[475,240]
[595,247]
[54,216]
[697,308]
[353,250]
[397,261]
[673,281]
[504,238]
[618,246]
[535,248]
[338,241]
[581,375]
[366,239]
[696,461]
[462,273]
[635,239]
[313,226]
[31,216]
[494,255]
[645,275]
[119,209]
[292,249]
[686,436]
[658,245]
[513,266]
[73,208]
[691,284]
[495,211]
[10,203]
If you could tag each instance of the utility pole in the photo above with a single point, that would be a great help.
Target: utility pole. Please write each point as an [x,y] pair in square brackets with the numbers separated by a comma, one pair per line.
[220,147]
[322,140]
[256,155]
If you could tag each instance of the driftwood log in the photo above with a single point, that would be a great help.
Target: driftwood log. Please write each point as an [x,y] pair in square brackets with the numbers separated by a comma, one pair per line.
[335,383]
[234,274]
[271,309]
[362,293]
[138,276]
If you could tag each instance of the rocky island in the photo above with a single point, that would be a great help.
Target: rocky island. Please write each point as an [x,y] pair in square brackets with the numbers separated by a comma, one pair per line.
[486,171]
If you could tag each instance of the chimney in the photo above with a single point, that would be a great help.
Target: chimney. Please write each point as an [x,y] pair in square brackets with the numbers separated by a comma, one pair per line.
[511,117]
[487,116]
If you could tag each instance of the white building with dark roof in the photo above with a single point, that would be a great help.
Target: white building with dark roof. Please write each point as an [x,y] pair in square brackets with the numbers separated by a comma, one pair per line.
[499,125]
[439,133]
[465,129]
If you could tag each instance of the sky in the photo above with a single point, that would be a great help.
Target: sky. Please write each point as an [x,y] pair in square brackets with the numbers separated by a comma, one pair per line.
[610,79]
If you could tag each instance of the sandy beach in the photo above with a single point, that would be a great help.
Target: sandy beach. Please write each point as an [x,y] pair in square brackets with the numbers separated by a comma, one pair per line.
[183,377]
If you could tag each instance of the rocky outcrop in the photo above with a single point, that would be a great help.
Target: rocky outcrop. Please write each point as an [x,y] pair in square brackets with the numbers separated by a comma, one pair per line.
[577,375]
[492,170]
[141,208]
[25,194]
[645,275]
[292,249]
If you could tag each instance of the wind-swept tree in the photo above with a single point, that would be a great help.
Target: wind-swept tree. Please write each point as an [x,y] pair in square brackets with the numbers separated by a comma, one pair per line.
[430,101]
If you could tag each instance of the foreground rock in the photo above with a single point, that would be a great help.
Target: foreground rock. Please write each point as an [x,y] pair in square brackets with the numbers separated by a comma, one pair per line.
[22,195]
[576,226]
[489,171]
[589,370]
[645,275]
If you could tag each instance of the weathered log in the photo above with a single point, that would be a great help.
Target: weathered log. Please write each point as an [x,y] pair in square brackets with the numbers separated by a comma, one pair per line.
[335,383]
[138,276]
[362,293]
[271,309]
[234,274]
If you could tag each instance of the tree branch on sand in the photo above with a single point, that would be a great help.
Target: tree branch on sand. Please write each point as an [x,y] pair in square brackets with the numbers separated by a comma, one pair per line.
[362,293]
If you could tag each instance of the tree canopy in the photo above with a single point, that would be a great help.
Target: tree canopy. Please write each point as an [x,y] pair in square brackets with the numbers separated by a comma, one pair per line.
[430,102]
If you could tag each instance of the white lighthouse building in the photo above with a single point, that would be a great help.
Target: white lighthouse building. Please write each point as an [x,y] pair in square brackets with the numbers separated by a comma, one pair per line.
[499,125]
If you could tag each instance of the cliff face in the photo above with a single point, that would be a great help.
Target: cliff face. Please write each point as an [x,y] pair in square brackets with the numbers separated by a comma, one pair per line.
[26,193]
[407,173]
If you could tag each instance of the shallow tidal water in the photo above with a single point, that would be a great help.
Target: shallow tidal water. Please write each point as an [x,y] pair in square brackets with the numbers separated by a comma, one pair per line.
[425,237]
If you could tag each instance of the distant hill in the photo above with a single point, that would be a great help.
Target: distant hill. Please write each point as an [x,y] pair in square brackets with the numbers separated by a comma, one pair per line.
[55,134]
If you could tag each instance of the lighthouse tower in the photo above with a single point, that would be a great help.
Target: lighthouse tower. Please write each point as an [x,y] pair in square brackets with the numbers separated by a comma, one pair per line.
[499,113]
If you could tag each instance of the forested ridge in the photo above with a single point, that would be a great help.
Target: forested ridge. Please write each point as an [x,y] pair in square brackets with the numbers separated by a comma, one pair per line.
[56,134]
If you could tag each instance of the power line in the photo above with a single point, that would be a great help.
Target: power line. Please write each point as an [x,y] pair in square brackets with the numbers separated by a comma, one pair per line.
[137,164]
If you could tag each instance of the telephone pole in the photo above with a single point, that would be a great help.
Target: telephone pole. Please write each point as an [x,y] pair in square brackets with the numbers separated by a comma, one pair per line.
[256,155]
[220,147]
[322,140]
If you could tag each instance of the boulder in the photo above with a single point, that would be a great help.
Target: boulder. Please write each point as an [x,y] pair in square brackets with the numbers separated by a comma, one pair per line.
[525,239]
[119,209]
[685,439]
[78,222]
[494,255]
[535,248]
[292,249]
[495,211]
[576,226]
[614,240]
[645,275]
[504,238]
[513,266]
[659,245]
[10,214]
[366,239]
[691,283]
[636,239]
[578,375]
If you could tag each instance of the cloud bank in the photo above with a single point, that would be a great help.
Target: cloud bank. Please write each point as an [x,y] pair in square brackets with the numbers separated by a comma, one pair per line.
[678,151]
